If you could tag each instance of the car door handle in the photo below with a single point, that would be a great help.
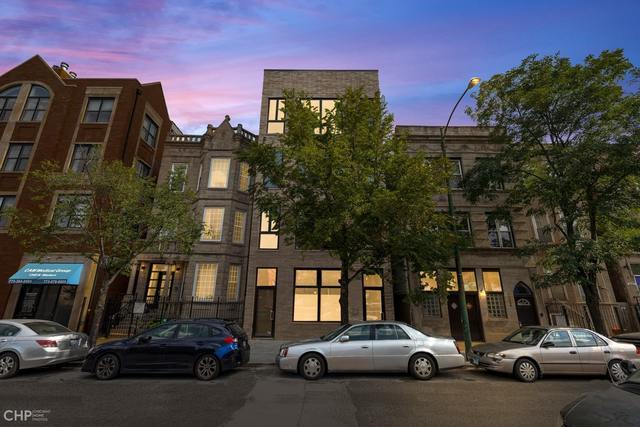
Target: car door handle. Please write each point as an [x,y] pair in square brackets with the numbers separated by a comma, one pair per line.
[365,346]
[607,352]
[573,352]
[3,340]
[405,346]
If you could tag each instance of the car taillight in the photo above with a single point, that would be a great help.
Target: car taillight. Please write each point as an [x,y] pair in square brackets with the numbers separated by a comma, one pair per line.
[230,340]
[47,343]
[638,349]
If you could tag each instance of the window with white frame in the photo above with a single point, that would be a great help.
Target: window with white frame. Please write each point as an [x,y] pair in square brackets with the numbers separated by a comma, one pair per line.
[233,282]
[244,177]
[500,233]
[542,227]
[219,173]
[178,178]
[494,293]
[212,220]
[239,220]
[204,286]
[6,203]
[456,173]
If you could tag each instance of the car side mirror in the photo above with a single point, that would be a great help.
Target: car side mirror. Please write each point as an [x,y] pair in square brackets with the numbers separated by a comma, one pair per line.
[547,344]
[144,339]
[344,338]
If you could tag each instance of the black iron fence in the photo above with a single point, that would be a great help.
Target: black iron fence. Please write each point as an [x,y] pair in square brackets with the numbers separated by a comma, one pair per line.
[616,316]
[130,314]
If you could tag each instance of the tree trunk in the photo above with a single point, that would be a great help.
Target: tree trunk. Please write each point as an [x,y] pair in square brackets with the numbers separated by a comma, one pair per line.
[402,307]
[593,304]
[344,293]
[98,311]
[618,282]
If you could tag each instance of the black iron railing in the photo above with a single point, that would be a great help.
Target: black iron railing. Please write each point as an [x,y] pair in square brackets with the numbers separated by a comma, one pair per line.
[130,315]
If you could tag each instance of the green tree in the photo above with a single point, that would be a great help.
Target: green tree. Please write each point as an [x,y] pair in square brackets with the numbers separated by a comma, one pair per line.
[570,149]
[344,182]
[109,215]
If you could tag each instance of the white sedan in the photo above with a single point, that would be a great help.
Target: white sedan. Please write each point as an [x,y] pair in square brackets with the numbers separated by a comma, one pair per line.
[368,347]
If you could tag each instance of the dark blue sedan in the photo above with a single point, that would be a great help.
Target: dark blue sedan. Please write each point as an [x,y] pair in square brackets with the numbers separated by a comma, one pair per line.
[203,347]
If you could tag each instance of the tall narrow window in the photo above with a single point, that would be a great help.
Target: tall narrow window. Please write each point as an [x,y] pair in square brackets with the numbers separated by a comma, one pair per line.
[17,157]
[83,155]
[232,282]
[275,118]
[99,110]
[373,297]
[239,221]
[6,203]
[431,302]
[317,295]
[37,104]
[149,131]
[212,219]
[71,211]
[7,101]
[178,177]
[500,233]
[205,280]
[219,173]
[268,232]
[244,178]
[542,227]
[495,297]
[464,223]
[456,173]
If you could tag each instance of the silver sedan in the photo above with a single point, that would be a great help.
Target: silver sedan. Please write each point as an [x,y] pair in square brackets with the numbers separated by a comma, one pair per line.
[530,352]
[368,347]
[30,343]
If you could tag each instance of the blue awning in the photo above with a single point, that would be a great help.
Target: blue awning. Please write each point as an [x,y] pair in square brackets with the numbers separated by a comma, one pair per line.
[47,274]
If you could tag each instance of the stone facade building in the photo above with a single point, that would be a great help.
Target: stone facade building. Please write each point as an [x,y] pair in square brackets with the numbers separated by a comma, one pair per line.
[48,114]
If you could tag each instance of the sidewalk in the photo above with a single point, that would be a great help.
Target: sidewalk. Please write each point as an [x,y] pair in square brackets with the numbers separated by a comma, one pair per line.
[264,351]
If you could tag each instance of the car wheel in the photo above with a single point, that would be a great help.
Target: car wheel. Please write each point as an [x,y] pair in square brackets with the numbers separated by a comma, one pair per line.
[616,372]
[526,371]
[206,367]
[422,366]
[107,367]
[312,366]
[8,365]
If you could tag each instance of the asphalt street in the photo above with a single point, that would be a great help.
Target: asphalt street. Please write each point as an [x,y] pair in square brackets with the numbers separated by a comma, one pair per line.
[262,396]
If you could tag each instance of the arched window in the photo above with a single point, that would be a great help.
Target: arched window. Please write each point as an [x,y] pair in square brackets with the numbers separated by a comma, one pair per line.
[7,101]
[37,104]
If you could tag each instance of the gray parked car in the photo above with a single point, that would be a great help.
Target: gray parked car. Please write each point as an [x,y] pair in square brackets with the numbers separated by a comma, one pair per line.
[368,347]
[530,352]
[30,343]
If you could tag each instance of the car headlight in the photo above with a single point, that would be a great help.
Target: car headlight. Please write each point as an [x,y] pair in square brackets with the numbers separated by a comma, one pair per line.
[496,356]
[284,351]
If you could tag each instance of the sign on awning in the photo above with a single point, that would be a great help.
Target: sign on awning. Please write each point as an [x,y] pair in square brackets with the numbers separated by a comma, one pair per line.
[47,274]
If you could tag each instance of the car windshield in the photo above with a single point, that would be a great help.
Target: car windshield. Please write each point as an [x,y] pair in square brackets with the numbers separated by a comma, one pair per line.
[46,328]
[528,336]
[333,334]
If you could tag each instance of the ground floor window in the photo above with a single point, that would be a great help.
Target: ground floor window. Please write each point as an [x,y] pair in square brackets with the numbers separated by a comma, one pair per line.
[373,291]
[317,295]
[160,283]
[431,302]
[495,296]
[205,280]
[48,302]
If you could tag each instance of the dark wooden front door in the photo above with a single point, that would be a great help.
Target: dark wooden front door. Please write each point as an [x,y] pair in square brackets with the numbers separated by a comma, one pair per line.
[525,305]
[475,319]
[264,312]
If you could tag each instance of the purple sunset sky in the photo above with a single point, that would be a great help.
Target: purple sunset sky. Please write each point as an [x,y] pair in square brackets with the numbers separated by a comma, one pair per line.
[210,55]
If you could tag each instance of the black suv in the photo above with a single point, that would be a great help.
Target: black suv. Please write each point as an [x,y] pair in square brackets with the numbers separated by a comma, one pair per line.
[204,347]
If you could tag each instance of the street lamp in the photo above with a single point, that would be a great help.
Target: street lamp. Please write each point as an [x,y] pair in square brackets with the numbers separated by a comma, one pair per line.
[462,298]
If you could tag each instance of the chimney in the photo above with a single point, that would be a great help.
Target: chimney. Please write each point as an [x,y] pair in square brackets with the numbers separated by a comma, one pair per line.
[63,71]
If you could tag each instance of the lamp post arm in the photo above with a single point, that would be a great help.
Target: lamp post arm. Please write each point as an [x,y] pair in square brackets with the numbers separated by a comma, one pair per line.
[444,133]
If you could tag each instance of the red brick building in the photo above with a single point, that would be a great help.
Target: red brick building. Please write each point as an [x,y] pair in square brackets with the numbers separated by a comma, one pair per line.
[47,113]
